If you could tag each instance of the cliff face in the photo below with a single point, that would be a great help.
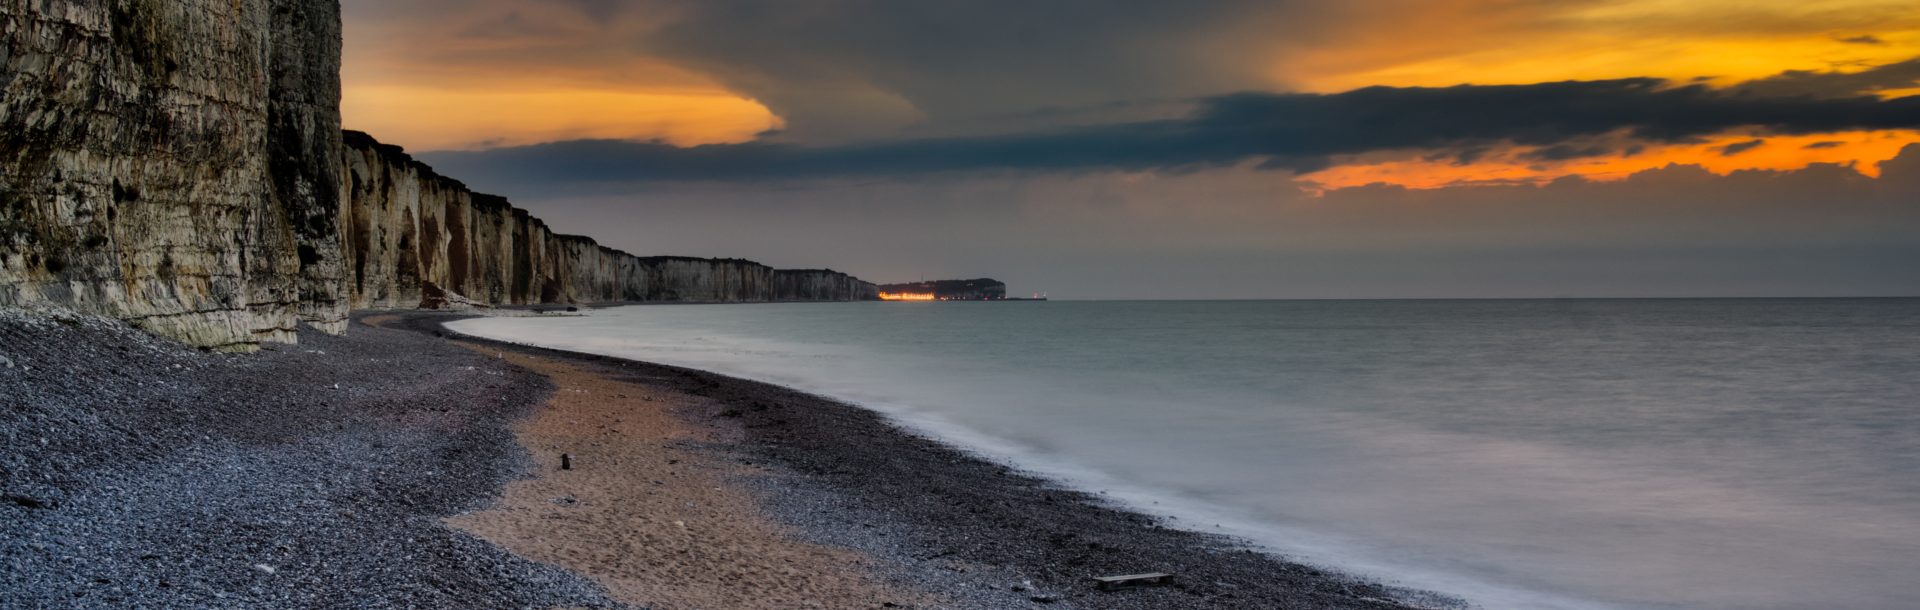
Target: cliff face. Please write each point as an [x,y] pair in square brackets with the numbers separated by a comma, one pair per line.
[153,161]
[303,123]
[180,164]
[410,235]
[821,285]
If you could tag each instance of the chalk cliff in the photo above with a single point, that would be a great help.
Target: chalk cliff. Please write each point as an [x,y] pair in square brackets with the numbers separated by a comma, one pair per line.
[157,161]
[180,164]
[411,235]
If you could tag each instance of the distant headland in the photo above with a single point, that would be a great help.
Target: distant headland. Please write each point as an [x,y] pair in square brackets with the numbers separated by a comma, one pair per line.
[980,289]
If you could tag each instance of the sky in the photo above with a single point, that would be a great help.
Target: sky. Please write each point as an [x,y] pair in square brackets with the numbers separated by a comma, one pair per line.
[1202,149]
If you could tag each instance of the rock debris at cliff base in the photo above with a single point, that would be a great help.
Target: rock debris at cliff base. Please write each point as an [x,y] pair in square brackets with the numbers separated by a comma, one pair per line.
[139,474]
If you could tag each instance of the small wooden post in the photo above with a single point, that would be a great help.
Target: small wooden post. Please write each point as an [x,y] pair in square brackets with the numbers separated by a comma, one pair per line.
[1110,583]
[566,461]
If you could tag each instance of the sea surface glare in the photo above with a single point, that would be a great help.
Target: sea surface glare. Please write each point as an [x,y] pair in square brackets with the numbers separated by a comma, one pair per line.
[1708,454]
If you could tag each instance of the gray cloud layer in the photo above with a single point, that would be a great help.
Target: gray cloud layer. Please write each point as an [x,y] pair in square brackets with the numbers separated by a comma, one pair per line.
[1286,131]
[1244,233]
[830,65]
[845,70]
[1900,75]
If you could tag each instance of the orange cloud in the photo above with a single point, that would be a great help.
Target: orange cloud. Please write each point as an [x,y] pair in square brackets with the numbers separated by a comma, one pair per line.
[515,72]
[1451,42]
[1723,42]
[1723,154]
[435,118]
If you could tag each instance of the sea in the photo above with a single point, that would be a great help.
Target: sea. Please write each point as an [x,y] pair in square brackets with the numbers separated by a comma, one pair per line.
[1550,454]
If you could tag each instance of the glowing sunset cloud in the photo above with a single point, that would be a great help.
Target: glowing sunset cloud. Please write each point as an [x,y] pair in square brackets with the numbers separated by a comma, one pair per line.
[1862,150]
[1719,41]
[469,75]
[428,118]
[1448,43]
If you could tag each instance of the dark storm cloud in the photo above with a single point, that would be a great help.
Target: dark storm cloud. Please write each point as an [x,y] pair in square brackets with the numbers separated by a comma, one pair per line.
[599,9]
[1740,147]
[513,24]
[1240,233]
[1866,39]
[1460,158]
[1292,131]
[1900,75]
[830,66]
[1824,144]
[1564,152]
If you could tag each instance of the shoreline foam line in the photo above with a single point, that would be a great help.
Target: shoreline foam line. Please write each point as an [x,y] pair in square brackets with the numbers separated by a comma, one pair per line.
[1416,583]
[1222,563]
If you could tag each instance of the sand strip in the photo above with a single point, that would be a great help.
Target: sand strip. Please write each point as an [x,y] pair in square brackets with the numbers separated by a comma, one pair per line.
[652,512]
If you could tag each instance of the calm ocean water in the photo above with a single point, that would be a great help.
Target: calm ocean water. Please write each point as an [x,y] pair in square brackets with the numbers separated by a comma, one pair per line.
[1519,454]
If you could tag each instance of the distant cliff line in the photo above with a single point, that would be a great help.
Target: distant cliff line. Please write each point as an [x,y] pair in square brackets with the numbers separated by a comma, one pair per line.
[180,164]
[979,289]
[410,235]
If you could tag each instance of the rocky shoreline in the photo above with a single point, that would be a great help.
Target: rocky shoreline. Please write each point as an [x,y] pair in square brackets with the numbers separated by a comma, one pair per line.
[322,475]
[142,474]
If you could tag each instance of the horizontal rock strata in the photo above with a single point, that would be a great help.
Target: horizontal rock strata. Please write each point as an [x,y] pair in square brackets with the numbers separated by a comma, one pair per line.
[156,160]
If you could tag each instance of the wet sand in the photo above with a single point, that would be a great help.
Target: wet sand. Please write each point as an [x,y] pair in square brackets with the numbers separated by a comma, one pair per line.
[771,482]
[649,514]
